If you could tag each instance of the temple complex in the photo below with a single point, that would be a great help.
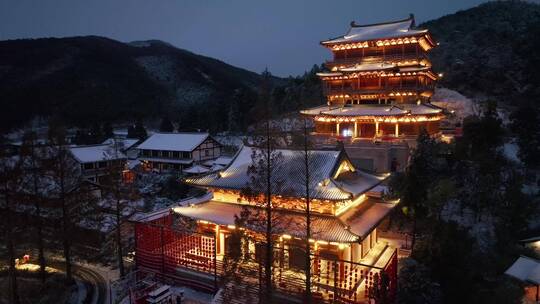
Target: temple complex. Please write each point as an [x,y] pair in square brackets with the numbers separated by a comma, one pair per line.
[378,87]
[379,83]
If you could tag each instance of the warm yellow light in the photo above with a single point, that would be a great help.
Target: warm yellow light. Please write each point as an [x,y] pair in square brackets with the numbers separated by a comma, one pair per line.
[286,236]
[231,226]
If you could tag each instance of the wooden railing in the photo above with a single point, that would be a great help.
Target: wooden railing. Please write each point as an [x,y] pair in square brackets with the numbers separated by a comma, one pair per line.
[190,258]
[375,59]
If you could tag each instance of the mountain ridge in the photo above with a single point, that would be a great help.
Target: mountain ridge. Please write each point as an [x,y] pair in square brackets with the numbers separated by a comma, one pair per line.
[87,78]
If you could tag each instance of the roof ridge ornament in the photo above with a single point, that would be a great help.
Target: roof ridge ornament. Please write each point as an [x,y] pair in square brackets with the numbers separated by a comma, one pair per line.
[413,23]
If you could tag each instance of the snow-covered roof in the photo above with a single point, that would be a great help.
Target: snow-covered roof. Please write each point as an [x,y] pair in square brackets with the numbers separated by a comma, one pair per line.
[329,74]
[185,142]
[365,67]
[375,110]
[361,221]
[132,163]
[525,269]
[222,160]
[408,69]
[95,153]
[217,167]
[421,109]
[287,173]
[196,169]
[324,227]
[395,29]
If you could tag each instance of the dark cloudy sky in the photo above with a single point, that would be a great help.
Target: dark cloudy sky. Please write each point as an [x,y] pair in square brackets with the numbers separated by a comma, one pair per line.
[282,35]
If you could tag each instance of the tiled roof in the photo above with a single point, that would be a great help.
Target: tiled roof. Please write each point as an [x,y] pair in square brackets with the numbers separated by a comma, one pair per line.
[374,110]
[396,29]
[361,221]
[186,142]
[95,153]
[288,174]
[351,226]
[365,67]
[324,227]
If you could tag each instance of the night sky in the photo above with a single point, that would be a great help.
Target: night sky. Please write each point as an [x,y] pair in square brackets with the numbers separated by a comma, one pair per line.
[282,35]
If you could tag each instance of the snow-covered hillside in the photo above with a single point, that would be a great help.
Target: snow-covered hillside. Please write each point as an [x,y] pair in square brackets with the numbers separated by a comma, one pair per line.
[453,101]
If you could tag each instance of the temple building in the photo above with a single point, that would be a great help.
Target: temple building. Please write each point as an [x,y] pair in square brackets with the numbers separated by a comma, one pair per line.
[379,83]
[348,255]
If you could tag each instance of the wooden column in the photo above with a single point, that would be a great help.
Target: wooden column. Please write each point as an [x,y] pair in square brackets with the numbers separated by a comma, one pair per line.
[337,128]
[355,128]
[397,129]
[376,128]
[218,240]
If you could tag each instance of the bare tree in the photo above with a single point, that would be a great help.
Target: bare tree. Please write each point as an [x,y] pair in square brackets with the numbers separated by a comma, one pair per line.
[264,184]
[307,184]
[9,177]
[68,192]
[119,193]
[32,154]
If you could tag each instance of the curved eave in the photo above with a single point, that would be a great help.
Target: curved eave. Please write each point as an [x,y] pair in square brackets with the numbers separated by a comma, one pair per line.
[335,41]
[430,39]
[395,71]
[331,74]
[359,69]
[403,118]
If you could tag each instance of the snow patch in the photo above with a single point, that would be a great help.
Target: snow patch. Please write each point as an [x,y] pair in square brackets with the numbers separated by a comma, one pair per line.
[453,101]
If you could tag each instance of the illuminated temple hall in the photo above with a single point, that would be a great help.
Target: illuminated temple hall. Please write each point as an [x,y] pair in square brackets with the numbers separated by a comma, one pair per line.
[379,83]
[348,255]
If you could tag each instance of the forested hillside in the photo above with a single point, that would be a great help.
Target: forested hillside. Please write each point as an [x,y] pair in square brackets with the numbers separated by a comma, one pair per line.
[490,51]
[83,79]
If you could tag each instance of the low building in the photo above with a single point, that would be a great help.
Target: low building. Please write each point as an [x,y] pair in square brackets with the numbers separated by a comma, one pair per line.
[177,151]
[347,253]
[96,160]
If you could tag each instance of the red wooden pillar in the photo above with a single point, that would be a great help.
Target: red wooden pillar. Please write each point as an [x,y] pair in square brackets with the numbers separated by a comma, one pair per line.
[162,250]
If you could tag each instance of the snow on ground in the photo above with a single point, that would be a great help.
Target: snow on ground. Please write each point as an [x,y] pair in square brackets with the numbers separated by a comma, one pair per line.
[80,295]
[230,140]
[453,101]
[510,150]
[192,296]
[483,231]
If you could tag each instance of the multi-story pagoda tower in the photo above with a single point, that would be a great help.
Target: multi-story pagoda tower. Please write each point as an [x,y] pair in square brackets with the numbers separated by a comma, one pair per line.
[379,83]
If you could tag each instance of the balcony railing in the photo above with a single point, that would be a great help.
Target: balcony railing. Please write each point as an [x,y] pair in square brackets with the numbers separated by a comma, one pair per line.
[376,89]
[375,59]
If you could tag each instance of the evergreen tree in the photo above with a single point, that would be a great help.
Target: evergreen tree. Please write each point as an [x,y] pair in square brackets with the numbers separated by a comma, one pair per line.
[166,125]
[131,132]
[95,134]
[139,130]
[233,115]
[526,125]
[413,188]
[108,131]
